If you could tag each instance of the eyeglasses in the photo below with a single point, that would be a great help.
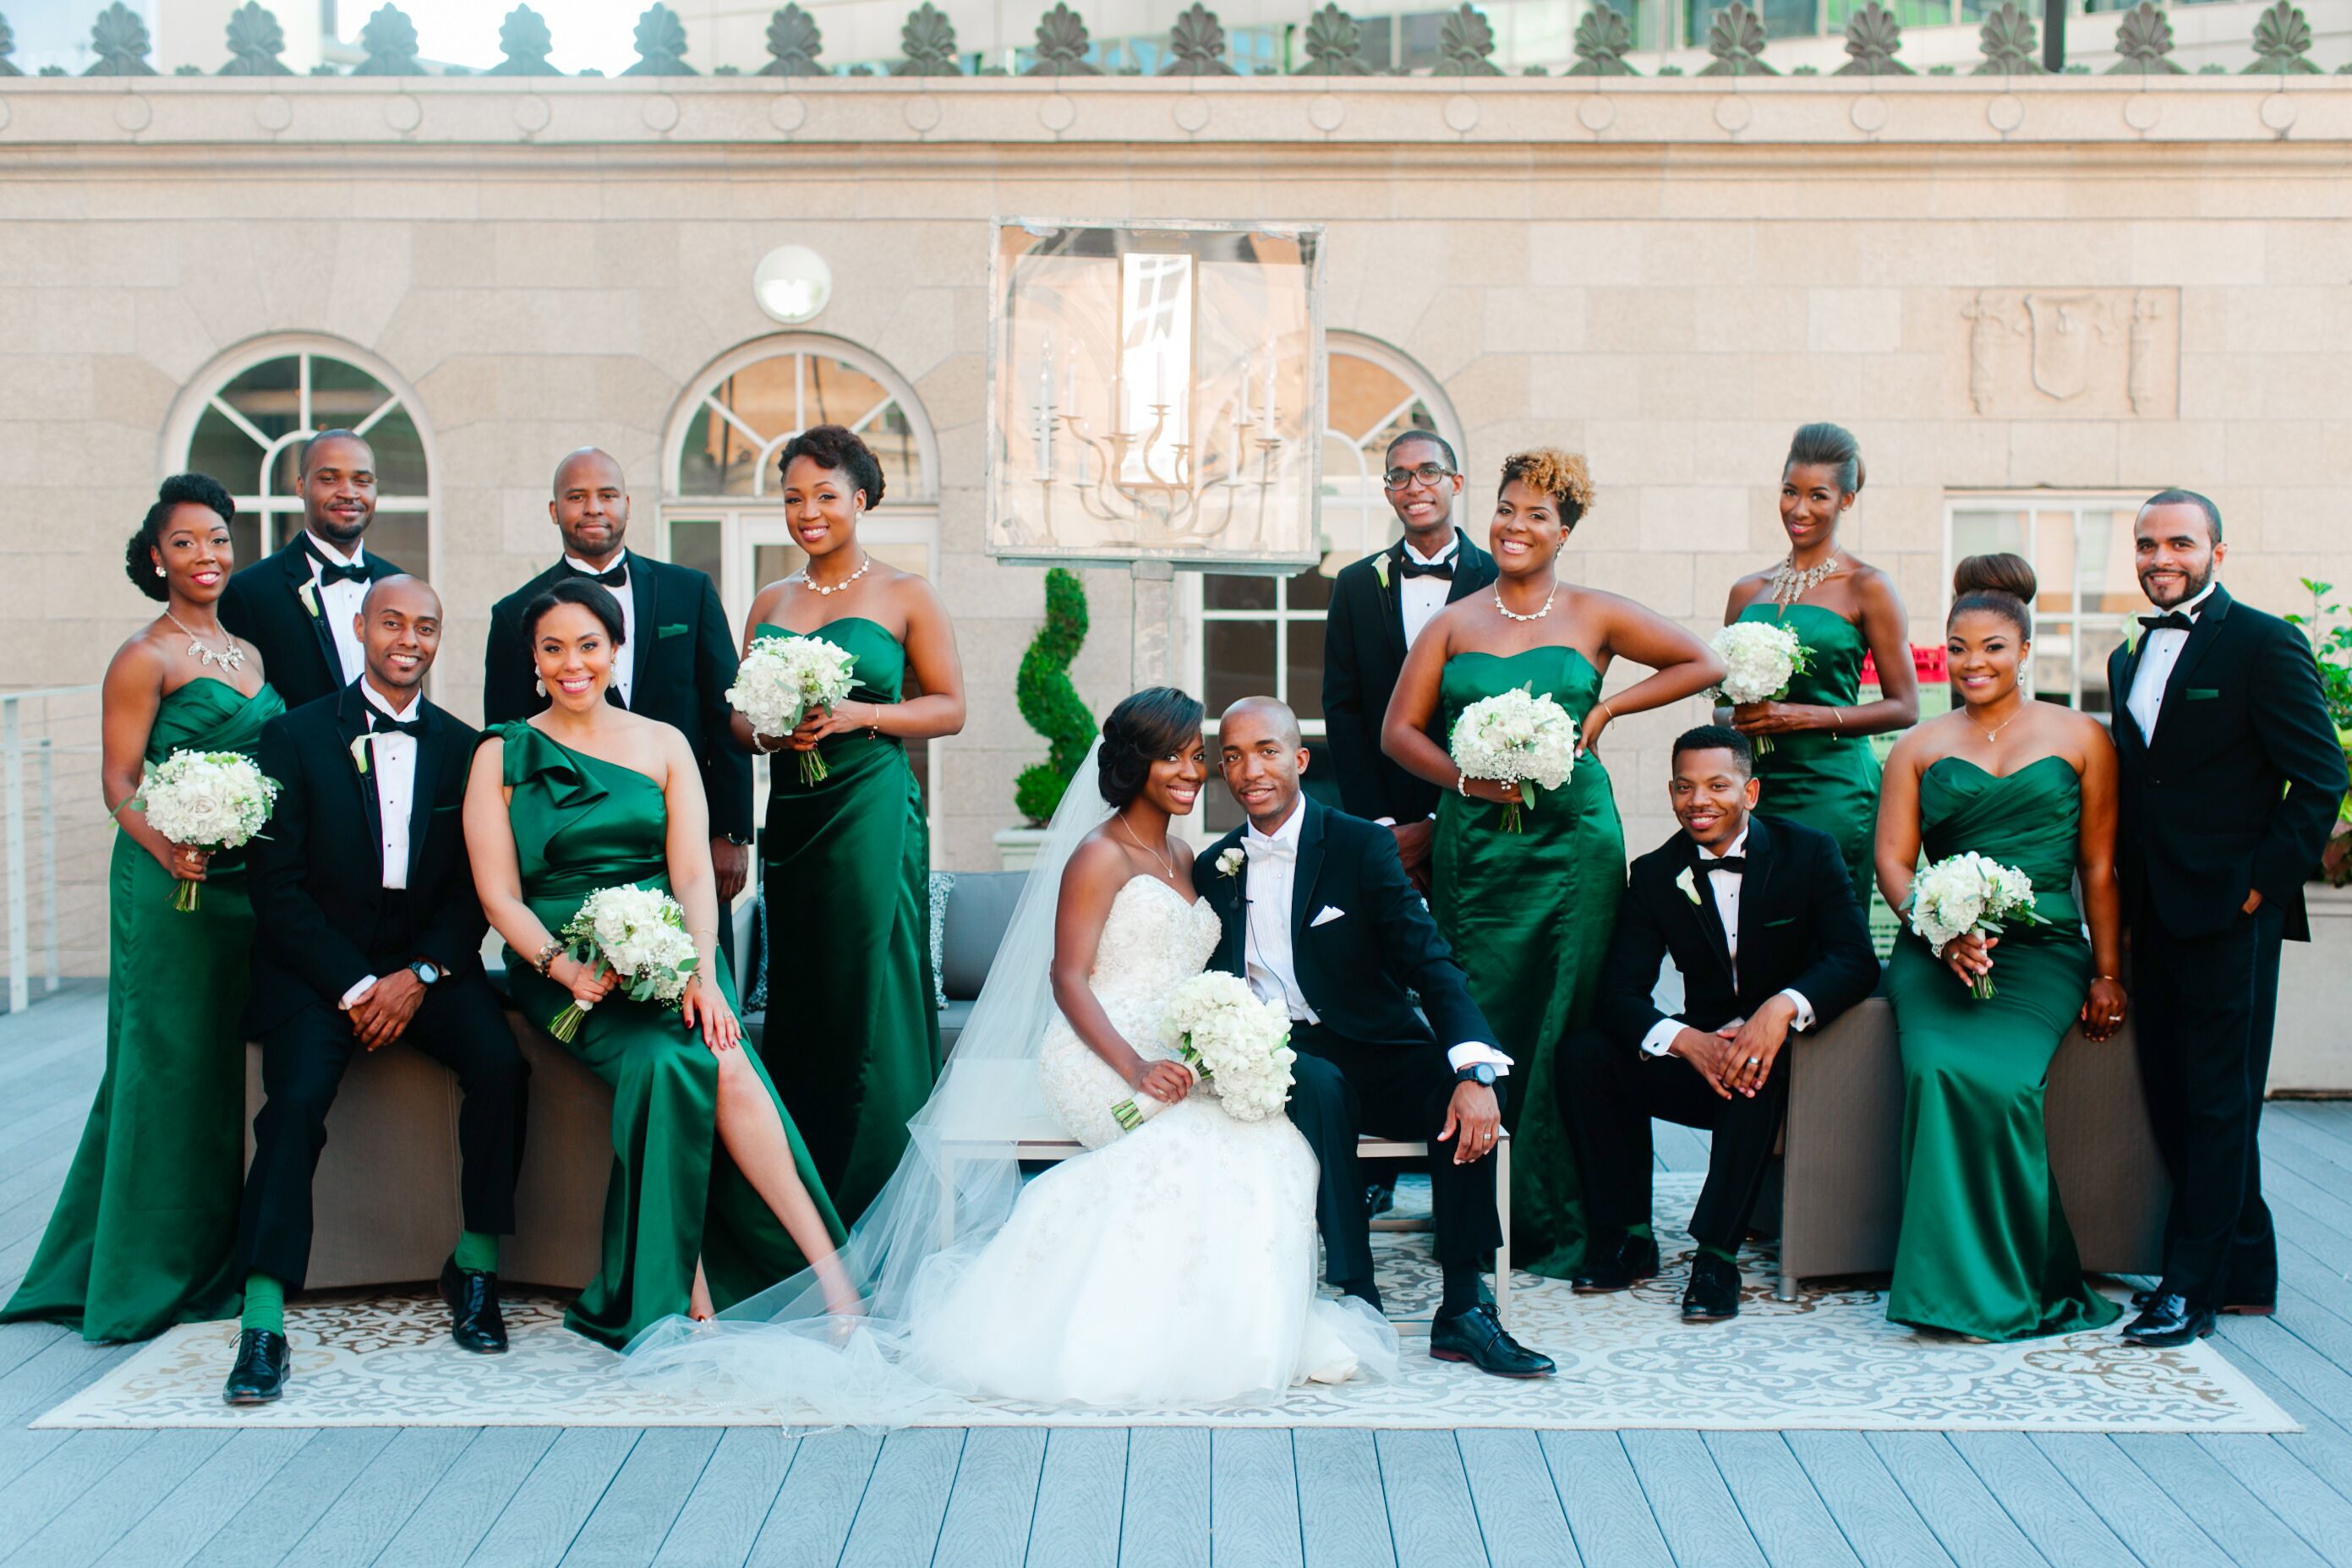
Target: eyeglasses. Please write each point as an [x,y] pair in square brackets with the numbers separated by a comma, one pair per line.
[1428,474]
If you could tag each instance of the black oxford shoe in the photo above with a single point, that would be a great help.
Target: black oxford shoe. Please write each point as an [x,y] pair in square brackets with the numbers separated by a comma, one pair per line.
[1713,1294]
[2143,1299]
[259,1376]
[1477,1337]
[1633,1259]
[1379,1197]
[474,1320]
[2169,1321]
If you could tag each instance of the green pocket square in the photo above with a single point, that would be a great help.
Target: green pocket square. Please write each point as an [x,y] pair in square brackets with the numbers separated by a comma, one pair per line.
[678,631]
[2202,693]
[1785,920]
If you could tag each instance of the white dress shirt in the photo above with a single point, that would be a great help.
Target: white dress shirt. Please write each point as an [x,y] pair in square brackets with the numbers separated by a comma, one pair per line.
[1726,887]
[1269,959]
[1420,598]
[2157,654]
[393,761]
[339,605]
[624,657]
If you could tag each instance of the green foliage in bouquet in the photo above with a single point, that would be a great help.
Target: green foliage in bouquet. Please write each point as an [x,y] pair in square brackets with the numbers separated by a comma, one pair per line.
[1050,702]
[2331,649]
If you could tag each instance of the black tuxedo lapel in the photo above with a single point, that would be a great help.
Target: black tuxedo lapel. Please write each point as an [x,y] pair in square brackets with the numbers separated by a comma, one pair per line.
[1229,896]
[2122,672]
[1302,876]
[422,817]
[1391,584]
[644,599]
[352,725]
[1473,568]
[2202,638]
[1709,918]
[299,577]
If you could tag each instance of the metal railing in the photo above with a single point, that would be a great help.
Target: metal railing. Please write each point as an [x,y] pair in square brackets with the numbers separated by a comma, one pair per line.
[41,733]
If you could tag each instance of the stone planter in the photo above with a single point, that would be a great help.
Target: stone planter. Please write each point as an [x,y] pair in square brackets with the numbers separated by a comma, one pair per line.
[2312,1051]
[1017,847]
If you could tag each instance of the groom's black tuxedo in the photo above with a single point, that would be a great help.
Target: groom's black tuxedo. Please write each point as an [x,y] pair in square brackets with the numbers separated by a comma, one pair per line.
[1799,930]
[2235,792]
[1369,1063]
[324,921]
[264,604]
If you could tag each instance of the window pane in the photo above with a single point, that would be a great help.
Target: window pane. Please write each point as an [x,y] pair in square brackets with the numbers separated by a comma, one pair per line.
[718,459]
[1361,395]
[2052,675]
[773,562]
[2099,634]
[1986,532]
[1417,46]
[1305,693]
[245,533]
[341,395]
[399,455]
[1310,590]
[2053,562]
[697,543]
[2104,561]
[225,451]
[1240,660]
[1221,591]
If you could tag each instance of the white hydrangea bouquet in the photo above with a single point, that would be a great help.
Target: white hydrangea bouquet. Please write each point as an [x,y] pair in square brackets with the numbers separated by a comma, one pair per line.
[1516,738]
[1237,1042]
[640,934]
[781,678]
[1966,893]
[1759,660]
[209,801]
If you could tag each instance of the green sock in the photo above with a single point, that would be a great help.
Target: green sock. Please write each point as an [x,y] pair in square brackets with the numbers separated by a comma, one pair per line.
[477,1252]
[1640,1233]
[265,1304]
[1726,1253]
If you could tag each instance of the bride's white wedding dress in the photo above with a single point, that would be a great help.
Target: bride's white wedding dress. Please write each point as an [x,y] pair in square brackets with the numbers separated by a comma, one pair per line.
[1171,1265]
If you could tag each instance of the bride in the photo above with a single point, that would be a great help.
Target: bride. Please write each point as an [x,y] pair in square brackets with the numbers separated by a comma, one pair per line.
[1170,1265]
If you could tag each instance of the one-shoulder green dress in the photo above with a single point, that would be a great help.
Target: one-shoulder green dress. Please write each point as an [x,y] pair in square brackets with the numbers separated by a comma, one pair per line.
[1529,915]
[144,1231]
[582,824]
[852,1030]
[1819,778]
[1985,1248]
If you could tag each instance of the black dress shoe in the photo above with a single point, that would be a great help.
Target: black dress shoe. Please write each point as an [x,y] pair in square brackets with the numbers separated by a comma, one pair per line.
[1379,1197]
[473,1298]
[259,1376]
[2143,1299]
[2168,1322]
[1633,1259]
[1477,1337]
[1713,1294]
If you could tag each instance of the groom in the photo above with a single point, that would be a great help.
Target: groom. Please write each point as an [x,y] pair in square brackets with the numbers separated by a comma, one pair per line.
[1317,914]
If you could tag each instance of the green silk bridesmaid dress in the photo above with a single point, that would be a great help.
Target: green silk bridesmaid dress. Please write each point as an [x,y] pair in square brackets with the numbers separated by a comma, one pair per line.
[1820,778]
[582,824]
[853,1032]
[1529,915]
[1985,1248]
[144,1229]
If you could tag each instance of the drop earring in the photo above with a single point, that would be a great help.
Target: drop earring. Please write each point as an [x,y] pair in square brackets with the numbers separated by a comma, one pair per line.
[541,686]
[161,572]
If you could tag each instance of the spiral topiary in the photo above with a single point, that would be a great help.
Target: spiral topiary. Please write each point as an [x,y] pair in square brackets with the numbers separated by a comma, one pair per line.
[1050,702]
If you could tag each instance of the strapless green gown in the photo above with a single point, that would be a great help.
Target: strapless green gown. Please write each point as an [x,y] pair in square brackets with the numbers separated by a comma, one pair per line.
[853,1032]
[1985,1248]
[1819,778]
[143,1232]
[582,824]
[1529,915]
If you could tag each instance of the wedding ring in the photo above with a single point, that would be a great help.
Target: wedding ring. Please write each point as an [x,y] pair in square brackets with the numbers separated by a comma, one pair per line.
[1754,1061]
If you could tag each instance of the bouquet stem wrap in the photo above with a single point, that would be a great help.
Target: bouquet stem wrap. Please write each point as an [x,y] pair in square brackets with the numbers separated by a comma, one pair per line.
[209,801]
[640,934]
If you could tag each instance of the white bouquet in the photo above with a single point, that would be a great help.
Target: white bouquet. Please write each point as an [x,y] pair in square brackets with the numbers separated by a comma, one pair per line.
[1239,1044]
[206,801]
[1966,893]
[1516,738]
[781,678]
[1759,660]
[640,934]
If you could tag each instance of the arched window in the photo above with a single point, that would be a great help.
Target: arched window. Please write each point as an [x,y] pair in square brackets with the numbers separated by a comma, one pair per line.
[243,420]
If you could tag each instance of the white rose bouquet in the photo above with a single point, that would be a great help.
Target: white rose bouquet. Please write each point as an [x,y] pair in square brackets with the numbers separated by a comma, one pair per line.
[640,934]
[1516,738]
[1759,660]
[207,800]
[1969,894]
[781,678]
[1239,1044]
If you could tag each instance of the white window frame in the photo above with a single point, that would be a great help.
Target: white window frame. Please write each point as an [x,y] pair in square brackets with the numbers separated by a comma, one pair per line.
[2079,627]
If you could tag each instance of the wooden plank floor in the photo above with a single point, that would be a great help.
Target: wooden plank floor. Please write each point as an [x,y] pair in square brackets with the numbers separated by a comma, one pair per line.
[684,1497]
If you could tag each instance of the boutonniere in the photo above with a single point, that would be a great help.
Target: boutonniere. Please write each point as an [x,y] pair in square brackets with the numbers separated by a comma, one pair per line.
[309,594]
[360,751]
[1381,567]
[1231,861]
[1684,880]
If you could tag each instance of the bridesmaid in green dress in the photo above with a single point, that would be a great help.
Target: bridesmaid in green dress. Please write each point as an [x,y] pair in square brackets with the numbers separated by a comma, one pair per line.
[1528,914]
[1820,769]
[143,1232]
[853,1036]
[1985,1249]
[713,1197]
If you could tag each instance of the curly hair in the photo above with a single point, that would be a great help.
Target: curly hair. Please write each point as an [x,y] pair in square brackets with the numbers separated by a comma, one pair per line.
[1143,728]
[179,490]
[2002,583]
[840,449]
[1562,476]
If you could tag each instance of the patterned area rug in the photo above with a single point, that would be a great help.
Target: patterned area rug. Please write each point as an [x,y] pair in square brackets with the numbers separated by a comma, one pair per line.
[1830,1360]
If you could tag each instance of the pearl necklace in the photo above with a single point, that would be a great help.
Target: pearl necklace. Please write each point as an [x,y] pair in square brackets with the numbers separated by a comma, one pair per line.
[863,568]
[231,660]
[1511,614]
[1789,585]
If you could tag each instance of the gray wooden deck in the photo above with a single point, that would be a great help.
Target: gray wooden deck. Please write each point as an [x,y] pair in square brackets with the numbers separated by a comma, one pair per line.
[1159,1495]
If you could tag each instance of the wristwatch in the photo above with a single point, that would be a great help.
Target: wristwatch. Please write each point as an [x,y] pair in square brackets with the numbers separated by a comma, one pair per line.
[1482,1073]
[426,973]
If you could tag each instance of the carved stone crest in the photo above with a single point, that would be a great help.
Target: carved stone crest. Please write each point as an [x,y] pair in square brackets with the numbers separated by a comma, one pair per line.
[2073,353]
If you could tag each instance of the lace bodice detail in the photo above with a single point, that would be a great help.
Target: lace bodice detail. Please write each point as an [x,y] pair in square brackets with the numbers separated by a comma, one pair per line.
[1152,942]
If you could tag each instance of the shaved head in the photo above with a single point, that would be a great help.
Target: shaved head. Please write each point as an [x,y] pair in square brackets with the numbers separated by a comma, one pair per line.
[412,594]
[575,469]
[1272,712]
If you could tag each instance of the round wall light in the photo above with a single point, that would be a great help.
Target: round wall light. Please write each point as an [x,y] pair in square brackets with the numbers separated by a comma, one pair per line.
[791,284]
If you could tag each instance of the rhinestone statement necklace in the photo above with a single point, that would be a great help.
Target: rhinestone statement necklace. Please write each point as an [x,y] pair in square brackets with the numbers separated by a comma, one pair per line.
[231,658]
[1789,585]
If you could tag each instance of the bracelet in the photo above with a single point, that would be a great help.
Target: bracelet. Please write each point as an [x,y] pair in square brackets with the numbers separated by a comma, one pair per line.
[1604,708]
[1837,720]
[1461,783]
[547,955]
[2115,979]
[873,721]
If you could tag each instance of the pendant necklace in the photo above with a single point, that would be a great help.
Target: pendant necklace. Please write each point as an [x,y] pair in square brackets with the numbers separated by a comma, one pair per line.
[863,568]
[1789,585]
[1155,854]
[1511,614]
[1994,733]
[233,659]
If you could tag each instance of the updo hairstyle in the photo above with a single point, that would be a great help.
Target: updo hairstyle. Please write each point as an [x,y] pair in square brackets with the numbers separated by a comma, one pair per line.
[1562,476]
[1832,445]
[1155,723]
[2003,584]
[589,595]
[843,451]
[179,490]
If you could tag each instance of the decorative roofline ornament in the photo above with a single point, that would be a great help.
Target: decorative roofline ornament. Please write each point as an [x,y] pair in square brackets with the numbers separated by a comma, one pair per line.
[660,38]
[1198,43]
[2010,43]
[1604,39]
[928,39]
[255,42]
[1062,44]
[1335,44]
[2143,40]
[1466,41]
[524,39]
[120,39]
[1873,37]
[794,42]
[388,42]
[1736,39]
[2281,42]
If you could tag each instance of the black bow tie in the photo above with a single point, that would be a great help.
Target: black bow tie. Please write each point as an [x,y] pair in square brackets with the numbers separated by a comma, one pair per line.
[615,577]
[329,573]
[1736,864]
[2171,620]
[382,723]
[1409,566]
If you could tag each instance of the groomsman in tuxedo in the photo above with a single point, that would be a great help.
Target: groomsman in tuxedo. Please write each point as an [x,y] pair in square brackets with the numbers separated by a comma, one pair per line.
[367,932]
[2232,777]
[1758,915]
[676,666]
[1318,915]
[298,605]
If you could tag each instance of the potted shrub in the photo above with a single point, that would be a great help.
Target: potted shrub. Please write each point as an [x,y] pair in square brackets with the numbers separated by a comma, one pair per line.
[1051,705]
[2310,1053]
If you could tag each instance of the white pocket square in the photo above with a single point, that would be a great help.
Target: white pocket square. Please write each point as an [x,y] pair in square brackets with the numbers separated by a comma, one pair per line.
[1330,912]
